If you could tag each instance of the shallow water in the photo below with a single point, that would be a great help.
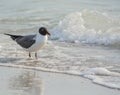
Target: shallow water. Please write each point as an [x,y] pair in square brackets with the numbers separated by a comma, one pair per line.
[100,64]
[85,37]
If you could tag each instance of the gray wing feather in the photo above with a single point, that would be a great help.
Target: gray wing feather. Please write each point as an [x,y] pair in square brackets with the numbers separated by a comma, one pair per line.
[26,41]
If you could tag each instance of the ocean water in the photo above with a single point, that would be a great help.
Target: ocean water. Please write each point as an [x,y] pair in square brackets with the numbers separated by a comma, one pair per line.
[85,37]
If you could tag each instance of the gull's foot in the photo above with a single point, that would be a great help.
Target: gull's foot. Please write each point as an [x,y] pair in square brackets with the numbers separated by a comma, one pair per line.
[30,58]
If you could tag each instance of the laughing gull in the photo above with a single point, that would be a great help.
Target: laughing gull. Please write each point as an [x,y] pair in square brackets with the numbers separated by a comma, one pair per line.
[32,43]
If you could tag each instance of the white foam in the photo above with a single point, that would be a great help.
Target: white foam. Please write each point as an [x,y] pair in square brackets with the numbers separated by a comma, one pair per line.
[97,71]
[88,27]
[95,74]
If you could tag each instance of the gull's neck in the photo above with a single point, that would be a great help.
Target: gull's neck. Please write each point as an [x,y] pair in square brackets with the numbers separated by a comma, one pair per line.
[42,38]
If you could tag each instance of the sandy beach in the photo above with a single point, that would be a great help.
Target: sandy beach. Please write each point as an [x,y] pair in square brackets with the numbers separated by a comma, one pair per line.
[17,81]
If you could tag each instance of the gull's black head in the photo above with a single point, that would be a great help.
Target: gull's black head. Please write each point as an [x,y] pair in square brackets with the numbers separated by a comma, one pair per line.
[43,31]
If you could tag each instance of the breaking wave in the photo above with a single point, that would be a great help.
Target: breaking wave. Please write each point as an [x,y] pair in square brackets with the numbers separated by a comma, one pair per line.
[88,26]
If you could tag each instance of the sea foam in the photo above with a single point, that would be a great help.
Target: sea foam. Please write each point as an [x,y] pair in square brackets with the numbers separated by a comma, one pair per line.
[95,74]
[88,26]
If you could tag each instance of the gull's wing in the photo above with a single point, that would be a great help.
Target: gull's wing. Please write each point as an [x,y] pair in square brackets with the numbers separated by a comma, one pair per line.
[26,41]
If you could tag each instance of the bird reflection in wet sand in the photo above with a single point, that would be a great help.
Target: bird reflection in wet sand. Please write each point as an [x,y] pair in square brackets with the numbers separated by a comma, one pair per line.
[27,84]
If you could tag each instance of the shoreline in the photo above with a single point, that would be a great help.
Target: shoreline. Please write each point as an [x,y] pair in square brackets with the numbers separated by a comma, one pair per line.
[44,70]
[31,82]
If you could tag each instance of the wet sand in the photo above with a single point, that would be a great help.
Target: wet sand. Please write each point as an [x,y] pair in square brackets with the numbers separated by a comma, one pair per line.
[18,81]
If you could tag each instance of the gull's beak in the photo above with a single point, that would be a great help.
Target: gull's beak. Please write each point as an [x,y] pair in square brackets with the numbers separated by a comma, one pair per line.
[48,33]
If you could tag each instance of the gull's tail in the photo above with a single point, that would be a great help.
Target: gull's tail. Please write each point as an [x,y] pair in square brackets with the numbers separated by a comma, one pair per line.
[14,37]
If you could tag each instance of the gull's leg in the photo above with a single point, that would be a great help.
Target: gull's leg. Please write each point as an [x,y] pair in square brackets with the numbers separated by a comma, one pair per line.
[36,55]
[29,55]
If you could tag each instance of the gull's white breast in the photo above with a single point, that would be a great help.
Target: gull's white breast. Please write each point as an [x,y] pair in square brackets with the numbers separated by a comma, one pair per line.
[39,43]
